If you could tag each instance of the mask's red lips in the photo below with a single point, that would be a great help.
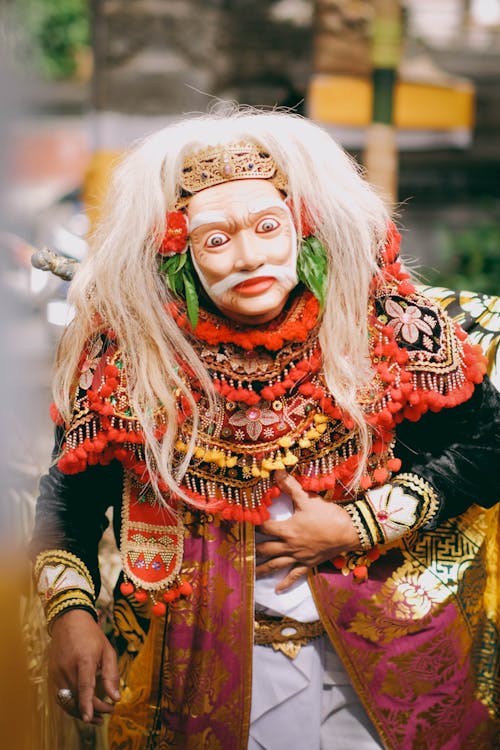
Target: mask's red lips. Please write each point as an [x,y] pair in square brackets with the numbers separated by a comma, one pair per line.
[255,286]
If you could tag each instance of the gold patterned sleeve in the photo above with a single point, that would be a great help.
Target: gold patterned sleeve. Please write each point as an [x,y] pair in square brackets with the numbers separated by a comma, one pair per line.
[387,513]
[63,582]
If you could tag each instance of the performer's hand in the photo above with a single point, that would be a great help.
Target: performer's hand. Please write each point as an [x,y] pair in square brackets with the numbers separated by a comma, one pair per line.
[317,531]
[79,650]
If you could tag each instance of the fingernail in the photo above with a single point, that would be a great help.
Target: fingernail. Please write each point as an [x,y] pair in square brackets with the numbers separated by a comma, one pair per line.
[85,717]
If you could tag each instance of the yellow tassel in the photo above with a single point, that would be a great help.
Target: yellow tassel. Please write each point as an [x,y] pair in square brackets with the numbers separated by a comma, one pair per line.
[256,472]
[199,452]
[321,428]
[265,474]
[312,434]
[180,446]
[278,464]
[285,442]
[231,461]
[290,459]
[267,465]
[214,456]
[304,443]
[320,419]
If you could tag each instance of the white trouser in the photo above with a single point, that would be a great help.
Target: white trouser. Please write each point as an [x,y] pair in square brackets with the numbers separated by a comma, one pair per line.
[307,703]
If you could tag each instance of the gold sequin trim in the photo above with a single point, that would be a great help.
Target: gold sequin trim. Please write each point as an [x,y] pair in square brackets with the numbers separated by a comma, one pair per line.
[67,600]
[366,538]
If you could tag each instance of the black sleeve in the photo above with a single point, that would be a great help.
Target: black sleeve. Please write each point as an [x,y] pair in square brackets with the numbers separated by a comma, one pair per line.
[457,451]
[71,511]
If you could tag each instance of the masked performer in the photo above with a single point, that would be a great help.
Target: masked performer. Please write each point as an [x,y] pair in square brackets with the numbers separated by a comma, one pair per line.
[300,452]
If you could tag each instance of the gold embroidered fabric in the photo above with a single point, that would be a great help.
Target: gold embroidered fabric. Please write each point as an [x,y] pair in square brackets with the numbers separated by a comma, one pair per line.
[442,583]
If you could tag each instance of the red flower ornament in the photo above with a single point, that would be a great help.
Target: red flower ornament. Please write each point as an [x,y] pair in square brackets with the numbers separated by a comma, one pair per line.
[175,240]
[305,218]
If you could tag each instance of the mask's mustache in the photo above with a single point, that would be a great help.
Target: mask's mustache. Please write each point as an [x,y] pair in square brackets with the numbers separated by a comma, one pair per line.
[283,274]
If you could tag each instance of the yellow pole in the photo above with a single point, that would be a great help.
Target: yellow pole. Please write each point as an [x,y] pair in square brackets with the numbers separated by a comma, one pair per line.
[380,157]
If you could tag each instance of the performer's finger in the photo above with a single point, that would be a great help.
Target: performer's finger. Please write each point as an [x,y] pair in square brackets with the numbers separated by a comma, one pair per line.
[272,528]
[110,676]
[272,565]
[103,706]
[86,689]
[299,571]
[288,484]
[272,549]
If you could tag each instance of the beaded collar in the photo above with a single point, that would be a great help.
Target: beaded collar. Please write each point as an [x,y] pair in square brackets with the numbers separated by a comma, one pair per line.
[293,326]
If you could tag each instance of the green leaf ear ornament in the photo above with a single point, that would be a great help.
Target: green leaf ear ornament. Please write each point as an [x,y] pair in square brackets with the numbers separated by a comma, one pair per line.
[312,267]
[181,280]
[177,265]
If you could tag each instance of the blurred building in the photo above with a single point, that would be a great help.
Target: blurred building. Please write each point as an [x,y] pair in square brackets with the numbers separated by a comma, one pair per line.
[157,59]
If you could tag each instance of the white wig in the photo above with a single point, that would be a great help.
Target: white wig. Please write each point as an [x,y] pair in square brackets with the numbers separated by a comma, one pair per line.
[120,279]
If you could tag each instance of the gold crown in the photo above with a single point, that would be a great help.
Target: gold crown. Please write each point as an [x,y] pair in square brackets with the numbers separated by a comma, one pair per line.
[225,162]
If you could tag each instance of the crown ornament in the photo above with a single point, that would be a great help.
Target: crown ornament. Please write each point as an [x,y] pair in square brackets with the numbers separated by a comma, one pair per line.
[226,162]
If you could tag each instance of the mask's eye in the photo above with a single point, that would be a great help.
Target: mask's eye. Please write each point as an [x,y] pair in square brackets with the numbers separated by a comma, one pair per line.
[217,239]
[267,225]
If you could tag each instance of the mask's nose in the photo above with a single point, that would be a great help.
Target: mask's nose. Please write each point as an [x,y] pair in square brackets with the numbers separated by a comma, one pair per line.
[249,255]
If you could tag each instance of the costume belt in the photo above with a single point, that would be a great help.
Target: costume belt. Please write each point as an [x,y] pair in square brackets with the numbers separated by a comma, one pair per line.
[285,634]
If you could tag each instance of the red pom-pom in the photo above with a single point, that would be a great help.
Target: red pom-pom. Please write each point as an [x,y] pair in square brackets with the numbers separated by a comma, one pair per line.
[54,415]
[159,609]
[307,389]
[170,595]
[185,588]
[360,572]
[127,588]
[267,393]
[338,562]
[365,482]
[405,288]
[381,475]
[141,596]
[392,243]
[394,464]
[393,406]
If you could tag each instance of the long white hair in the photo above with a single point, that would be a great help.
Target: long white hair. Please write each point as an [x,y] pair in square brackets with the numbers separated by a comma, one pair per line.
[120,281]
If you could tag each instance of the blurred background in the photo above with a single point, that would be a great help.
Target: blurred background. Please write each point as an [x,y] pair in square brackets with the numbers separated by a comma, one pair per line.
[410,88]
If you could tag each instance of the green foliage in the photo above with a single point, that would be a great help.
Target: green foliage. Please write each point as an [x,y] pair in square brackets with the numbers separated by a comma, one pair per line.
[312,267]
[180,276]
[57,30]
[470,259]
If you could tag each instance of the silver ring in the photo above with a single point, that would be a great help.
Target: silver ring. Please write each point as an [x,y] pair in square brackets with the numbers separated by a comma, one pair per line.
[65,696]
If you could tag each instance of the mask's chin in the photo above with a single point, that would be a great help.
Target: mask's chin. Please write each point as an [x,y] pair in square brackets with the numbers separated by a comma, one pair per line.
[251,311]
